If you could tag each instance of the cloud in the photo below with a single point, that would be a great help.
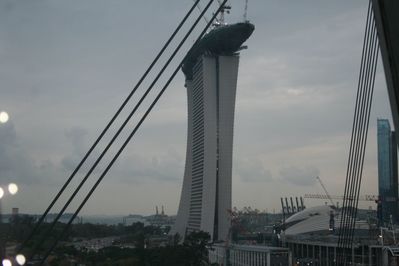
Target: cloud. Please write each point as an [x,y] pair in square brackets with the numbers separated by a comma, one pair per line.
[252,170]
[305,176]
[16,165]
[77,138]
[143,168]
[296,87]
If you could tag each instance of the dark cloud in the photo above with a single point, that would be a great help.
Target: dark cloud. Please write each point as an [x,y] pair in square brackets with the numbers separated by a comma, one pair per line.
[301,176]
[65,67]
[16,165]
[163,167]
[76,137]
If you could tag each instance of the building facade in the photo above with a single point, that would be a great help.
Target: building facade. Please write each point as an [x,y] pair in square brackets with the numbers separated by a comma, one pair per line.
[249,255]
[211,70]
[206,194]
[387,170]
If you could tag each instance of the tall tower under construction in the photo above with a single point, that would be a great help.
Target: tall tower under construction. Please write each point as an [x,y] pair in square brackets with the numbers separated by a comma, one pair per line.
[211,69]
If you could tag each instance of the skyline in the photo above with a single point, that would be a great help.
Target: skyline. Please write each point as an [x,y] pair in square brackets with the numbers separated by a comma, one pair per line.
[295,101]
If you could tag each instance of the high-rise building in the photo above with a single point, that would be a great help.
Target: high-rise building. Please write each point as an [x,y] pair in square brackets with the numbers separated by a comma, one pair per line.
[387,170]
[211,69]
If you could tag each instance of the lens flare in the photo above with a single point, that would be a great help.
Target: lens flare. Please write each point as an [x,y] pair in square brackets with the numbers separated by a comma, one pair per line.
[20,259]
[1,192]
[3,117]
[7,262]
[13,188]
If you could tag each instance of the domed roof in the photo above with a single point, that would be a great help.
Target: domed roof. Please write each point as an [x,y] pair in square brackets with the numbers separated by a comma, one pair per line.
[311,220]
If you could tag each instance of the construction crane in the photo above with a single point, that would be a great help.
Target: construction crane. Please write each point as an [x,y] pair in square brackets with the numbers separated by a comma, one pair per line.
[325,190]
[362,198]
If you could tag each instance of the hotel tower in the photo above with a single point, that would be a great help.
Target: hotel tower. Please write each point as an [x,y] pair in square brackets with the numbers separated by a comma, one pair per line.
[211,69]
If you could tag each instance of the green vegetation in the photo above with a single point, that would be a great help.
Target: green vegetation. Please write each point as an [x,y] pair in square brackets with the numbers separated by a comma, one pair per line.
[135,244]
[192,252]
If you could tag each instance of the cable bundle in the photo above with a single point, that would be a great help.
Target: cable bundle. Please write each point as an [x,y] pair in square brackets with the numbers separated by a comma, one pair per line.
[116,135]
[358,142]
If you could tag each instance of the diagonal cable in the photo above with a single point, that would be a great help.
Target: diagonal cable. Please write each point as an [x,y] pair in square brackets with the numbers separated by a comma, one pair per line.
[41,219]
[355,171]
[354,122]
[366,117]
[47,233]
[349,184]
[359,136]
[128,139]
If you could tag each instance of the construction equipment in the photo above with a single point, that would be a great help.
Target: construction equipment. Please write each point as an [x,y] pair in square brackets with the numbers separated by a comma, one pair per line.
[328,197]
[325,190]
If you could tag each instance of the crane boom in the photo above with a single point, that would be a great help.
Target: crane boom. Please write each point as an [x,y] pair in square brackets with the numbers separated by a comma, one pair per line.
[362,198]
[325,190]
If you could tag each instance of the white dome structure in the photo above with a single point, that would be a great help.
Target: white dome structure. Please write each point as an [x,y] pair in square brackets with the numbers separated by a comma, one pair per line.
[316,219]
[310,220]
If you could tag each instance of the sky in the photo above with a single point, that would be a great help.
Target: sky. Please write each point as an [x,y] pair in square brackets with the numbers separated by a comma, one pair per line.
[66,66]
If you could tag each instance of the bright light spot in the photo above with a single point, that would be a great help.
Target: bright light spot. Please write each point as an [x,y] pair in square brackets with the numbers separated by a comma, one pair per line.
[1,192]
[3,117]
[7,262]
[13,188]
[20,259]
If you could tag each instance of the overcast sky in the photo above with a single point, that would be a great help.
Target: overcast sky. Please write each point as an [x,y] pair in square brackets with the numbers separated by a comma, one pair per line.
[65,67]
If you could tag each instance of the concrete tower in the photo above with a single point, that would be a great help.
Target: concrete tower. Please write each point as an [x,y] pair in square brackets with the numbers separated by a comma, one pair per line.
[211,69]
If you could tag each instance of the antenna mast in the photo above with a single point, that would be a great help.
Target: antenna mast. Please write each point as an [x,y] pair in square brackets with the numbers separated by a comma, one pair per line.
[246,11]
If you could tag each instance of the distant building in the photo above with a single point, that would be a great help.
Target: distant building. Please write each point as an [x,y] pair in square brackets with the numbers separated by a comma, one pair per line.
[387,170]
[15,212]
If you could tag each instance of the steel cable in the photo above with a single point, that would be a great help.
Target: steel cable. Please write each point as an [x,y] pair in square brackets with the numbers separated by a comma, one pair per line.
[47,233]
[366,117]
[359,132]
[357,152]
[94,145]
[129,138]
[354,131]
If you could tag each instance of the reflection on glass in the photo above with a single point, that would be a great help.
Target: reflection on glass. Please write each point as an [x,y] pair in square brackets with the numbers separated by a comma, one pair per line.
[7,262]
[13,188]
[20,259]
[3,117]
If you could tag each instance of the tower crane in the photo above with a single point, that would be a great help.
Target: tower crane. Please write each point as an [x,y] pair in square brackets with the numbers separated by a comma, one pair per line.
[325,190]
[361,198]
